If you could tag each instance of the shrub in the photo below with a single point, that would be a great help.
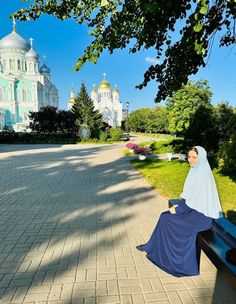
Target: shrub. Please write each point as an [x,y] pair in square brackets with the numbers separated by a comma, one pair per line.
[103,136]
[115,134]
[35,138]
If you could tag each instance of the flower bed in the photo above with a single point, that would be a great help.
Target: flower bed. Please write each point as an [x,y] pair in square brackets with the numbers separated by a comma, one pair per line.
[136,149]
[142,150]
[131,145]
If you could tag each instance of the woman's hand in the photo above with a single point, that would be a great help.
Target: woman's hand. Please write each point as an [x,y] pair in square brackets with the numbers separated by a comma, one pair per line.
[172,209]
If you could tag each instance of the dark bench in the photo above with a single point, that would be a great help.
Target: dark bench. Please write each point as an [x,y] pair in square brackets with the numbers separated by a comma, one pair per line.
[215,243]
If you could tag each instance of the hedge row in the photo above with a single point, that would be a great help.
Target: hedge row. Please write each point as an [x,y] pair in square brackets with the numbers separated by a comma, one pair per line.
[35,138]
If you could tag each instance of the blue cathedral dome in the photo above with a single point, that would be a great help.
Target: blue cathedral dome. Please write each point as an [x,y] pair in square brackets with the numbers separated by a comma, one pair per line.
[14,41]
[44,69]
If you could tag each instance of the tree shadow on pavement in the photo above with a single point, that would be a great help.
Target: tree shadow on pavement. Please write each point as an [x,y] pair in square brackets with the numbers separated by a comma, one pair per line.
[62,212]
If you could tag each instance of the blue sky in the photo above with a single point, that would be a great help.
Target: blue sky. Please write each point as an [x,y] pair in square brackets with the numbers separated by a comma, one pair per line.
[63,42]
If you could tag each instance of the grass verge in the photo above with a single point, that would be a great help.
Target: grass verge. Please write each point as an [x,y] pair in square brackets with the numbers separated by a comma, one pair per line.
[168,179]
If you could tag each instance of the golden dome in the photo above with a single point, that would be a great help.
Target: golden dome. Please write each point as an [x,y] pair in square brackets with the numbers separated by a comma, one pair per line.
[71,101]
[104,85]
[116,91]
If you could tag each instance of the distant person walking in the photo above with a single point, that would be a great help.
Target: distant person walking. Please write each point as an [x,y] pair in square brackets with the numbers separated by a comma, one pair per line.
[172,245]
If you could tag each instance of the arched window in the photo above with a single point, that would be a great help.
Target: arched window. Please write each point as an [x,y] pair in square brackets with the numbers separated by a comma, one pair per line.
[1,94]
[11,64]
[18,65]
[24,95]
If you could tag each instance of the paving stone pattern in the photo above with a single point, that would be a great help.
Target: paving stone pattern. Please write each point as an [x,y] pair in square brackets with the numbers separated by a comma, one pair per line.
[70,219]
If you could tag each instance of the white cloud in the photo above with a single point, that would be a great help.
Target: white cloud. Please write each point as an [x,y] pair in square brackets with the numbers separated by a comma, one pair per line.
[151,60]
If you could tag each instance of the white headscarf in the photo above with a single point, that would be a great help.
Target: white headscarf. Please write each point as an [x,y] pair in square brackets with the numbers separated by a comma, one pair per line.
[200,192]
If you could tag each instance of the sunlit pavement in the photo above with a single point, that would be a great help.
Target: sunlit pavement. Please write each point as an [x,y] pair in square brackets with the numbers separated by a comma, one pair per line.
[71,217]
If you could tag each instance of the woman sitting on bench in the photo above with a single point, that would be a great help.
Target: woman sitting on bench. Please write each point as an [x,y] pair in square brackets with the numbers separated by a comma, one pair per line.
[172,245]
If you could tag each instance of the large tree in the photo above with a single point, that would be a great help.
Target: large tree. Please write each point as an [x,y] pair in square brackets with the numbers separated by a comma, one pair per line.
[157,120]
[136,120]
[44,121]
[226,121]
[143,24]
[152,120]
[85,113]
[203,129]
[184,103]
[49,119]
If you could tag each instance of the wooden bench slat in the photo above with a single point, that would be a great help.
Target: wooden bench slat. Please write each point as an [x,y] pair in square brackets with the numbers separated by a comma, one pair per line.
[224,234]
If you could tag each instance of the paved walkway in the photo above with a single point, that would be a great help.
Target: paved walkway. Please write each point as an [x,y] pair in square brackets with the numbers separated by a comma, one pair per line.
[70,219]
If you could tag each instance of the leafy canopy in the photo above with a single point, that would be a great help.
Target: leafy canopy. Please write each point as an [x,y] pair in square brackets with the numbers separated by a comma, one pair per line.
[152,120]
[184,103]
[49,119]
[144,24]
[45,120]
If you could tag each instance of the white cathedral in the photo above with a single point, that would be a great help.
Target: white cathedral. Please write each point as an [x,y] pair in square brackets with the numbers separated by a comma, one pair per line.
[24,86]
[106,100]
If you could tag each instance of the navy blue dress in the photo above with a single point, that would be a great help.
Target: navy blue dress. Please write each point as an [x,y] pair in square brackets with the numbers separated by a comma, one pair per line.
[172,245]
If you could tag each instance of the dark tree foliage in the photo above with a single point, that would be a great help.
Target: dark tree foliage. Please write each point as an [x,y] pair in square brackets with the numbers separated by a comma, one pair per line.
[203,129]
[228,155]
[44,121]
[226,121]
[143,24]
[65,121]
[85,114]
[49,119]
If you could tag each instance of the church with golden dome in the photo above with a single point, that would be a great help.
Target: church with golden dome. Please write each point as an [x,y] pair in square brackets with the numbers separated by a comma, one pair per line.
[107,102]
[24,86]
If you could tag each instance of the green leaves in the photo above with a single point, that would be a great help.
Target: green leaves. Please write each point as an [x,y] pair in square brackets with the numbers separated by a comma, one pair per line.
[184,103]
[151,120]
[198,27]
[199,49]
[104,2]
[204,10]
[144,24]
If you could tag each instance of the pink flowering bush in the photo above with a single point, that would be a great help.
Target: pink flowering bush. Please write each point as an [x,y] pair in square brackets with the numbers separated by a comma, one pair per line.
[142,150]
[131,145]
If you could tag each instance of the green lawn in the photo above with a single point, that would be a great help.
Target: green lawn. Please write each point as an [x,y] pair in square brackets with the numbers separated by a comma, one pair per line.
[168,178]
[154,135]
[162,145]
